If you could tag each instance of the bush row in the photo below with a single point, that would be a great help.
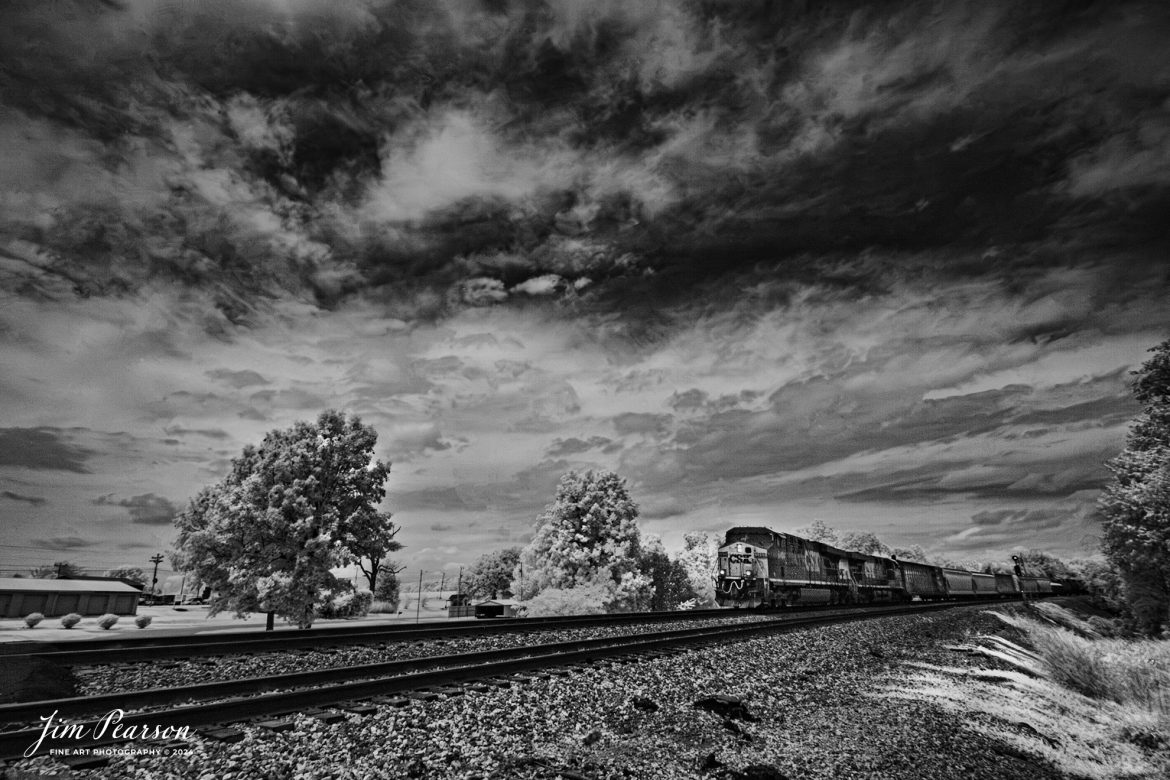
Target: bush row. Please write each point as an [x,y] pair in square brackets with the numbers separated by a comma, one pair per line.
[106,621]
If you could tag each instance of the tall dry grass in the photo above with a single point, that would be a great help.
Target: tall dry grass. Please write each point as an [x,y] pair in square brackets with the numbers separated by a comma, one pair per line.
[1088,706]
[1130,672]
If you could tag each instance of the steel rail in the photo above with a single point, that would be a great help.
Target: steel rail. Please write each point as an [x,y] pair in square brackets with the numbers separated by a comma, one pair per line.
[117,651]
[121,650]
[454,668]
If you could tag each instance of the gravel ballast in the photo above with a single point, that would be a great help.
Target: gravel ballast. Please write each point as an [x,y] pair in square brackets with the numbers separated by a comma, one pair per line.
[92,680]
[807,709]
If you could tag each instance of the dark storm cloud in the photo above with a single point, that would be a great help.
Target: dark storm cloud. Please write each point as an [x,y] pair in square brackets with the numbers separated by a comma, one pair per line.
[814,423]
[208,433]
[439,498]
[639,423]
[34,500]
[441,155]
[575,446]
[238,379]
[974,478]
[146,509]
[43,448]
[64,543]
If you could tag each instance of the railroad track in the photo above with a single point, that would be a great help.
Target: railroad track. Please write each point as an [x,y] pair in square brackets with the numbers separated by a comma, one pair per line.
[221,703]
[125,650]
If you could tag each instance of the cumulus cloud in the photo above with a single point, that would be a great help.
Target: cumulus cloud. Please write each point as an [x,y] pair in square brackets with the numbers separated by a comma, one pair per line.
[146,509]
[65,543]
[592,145]
[42,449]
[873,257]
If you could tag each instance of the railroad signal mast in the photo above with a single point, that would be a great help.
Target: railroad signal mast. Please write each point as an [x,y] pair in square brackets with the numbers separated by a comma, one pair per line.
[1018,568]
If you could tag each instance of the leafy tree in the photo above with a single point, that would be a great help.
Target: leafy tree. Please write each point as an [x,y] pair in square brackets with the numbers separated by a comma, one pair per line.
[372,549]
[1135,505]
[863,542]
[1102,580]
[302,503]
[491,574]
[670,585]
[967,564]
[699,559]
[912,553]
[58,569]
[588,535]
[1041,564]
[133,574]
[818,532]
[388,583]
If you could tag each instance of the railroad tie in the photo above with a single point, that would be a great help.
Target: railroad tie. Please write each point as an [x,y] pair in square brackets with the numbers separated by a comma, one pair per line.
[276,726]
[426,695]
[92,761]
[326,716]
[223,734]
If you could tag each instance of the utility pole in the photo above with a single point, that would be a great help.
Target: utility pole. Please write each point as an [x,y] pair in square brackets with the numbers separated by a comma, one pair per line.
[442,582]
[156,559]
[459,588]
[418,601]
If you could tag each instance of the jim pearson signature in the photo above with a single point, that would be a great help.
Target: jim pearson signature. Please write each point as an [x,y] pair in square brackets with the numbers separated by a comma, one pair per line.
[111,723]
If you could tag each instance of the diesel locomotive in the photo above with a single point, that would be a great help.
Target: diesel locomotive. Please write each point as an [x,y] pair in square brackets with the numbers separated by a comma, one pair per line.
[759,567]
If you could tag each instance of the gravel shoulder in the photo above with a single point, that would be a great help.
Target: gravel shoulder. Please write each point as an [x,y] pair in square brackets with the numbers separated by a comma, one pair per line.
[812,708]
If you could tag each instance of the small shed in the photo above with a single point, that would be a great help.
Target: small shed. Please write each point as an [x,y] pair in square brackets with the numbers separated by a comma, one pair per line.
[494,608]
[20,596]
[459,605]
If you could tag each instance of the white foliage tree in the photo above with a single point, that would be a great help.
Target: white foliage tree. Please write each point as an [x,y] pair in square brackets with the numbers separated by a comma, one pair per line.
[588,536]
[699,558]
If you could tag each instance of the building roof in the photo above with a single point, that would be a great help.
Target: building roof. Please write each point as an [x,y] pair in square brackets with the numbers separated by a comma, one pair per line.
[27,584]
[500,602]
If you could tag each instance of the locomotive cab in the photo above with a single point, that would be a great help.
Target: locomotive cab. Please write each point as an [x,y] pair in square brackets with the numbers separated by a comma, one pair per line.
[742,578]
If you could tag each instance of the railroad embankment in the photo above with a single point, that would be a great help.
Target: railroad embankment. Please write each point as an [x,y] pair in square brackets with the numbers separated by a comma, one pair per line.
[922,696]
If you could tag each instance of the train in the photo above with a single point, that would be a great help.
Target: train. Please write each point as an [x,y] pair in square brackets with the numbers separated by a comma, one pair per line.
[762,568]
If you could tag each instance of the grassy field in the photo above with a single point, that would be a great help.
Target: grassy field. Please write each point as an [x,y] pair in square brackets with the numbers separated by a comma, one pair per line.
[1092,706]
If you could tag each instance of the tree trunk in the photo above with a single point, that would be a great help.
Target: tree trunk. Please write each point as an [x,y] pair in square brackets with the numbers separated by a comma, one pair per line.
[271,622]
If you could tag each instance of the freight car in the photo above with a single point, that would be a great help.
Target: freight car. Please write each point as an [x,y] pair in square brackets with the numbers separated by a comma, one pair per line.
[759,567]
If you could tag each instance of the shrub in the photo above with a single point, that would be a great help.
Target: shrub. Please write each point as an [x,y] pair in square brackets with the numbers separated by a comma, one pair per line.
[586,600]
[346,605]
[107,620]
[70,620]
[380,607]
[142,621]
[33,618]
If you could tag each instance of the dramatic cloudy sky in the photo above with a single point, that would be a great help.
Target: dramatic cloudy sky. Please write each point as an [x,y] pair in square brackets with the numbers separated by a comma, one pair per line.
[881,264]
